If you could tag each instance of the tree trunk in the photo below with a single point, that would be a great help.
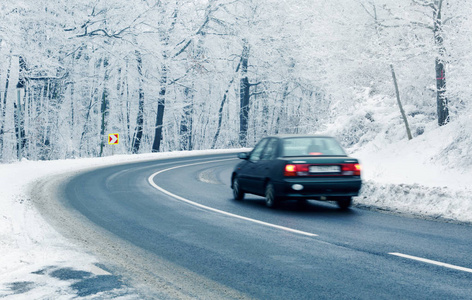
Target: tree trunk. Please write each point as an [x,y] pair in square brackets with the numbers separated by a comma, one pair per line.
[72,116]
[19,111]
[281,109]
[161,101]
[220,111]
[104,107]
[441,98]
[20,130]
[283,100]
[88,117]
[4,107]
[138,135]
[397,92]
[186,123]
[161,104]
[244,97]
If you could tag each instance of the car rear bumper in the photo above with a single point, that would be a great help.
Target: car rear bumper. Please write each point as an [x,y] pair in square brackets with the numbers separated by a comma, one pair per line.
[327,187]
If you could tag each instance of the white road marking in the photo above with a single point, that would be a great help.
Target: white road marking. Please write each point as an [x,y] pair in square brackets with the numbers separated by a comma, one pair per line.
[433,262]
[151,181]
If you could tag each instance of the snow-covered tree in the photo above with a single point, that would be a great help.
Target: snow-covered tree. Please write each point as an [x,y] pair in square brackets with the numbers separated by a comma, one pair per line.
[182,75]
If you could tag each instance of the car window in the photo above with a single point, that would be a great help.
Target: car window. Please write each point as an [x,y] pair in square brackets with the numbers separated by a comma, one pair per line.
[270,149]
[257,151]
[311,146]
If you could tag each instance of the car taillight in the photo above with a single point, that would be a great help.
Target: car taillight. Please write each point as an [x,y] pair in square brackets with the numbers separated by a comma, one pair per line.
[351,169]
[292,170]
[296,170]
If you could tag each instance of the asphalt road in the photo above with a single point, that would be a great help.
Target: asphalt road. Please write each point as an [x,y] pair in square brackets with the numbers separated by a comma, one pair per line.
[178,216]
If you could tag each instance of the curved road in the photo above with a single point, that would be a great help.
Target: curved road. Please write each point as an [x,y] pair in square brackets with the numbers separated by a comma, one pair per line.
[180,214]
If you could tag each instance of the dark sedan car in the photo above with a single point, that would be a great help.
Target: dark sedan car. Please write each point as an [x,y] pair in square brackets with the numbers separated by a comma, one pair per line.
[297,167]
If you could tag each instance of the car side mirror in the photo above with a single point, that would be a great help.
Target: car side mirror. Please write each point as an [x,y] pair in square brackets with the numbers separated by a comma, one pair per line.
[243,155]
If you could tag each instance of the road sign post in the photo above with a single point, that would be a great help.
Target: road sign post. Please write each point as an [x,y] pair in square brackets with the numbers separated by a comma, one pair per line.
[113,139]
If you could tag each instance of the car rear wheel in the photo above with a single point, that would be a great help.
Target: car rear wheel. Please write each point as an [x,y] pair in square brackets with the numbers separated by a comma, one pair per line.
[344,203]
[271,199]
[238,193]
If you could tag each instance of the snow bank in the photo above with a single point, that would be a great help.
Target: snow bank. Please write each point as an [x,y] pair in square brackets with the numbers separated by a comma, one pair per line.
[428,176]
[36,261]
[418,200]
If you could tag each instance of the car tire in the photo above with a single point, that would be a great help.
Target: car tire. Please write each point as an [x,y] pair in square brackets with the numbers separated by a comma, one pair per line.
[238,193]
[344,203]
[271,199]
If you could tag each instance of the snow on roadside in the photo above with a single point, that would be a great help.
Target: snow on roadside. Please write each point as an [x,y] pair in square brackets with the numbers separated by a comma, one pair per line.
[36,262]
[418,200]
[429,176]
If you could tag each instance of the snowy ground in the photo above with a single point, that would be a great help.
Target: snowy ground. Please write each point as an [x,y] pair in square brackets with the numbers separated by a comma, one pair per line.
[36,262]
[429,176]
[426,177]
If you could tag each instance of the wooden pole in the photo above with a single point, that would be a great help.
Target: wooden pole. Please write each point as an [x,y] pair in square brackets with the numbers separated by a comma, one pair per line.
[408,132]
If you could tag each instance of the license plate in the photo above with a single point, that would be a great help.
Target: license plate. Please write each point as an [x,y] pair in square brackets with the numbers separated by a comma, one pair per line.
[325,169]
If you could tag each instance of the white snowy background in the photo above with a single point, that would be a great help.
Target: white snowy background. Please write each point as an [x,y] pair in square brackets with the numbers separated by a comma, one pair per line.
[89,68]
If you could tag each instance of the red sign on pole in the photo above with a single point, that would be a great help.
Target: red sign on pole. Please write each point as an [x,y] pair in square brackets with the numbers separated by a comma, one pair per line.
[113,138]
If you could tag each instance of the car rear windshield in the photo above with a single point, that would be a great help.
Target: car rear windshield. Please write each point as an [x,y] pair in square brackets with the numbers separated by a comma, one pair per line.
[311,146]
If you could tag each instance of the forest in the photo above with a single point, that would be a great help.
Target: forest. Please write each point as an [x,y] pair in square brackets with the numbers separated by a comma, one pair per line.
[212,74]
